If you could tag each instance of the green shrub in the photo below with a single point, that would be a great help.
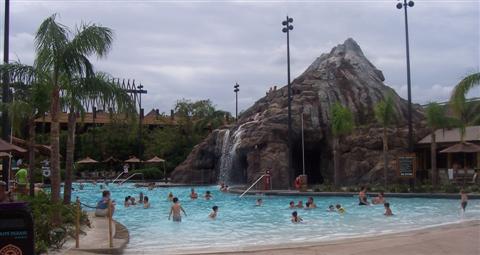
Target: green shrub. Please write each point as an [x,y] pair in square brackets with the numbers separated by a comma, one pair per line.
[152,173]
[450,188]
[46,234]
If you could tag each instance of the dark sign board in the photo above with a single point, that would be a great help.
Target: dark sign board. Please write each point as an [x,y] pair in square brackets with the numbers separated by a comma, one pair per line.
[406,166]
[16,229]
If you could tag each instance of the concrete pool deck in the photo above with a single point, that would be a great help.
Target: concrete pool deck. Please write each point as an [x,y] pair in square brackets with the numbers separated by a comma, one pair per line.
[453,239]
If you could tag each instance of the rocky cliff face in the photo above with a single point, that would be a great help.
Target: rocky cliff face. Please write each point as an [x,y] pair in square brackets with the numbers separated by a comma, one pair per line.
[242,153]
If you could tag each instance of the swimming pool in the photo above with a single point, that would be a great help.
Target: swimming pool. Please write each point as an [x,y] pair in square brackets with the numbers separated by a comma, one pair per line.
[241,224]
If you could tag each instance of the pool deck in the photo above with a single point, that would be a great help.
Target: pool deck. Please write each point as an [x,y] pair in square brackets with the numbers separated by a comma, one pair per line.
[96,239]
[240,190]
[453,239]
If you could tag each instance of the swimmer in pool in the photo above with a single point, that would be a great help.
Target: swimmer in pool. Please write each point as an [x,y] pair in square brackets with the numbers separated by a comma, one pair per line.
[300,204]
[208,195]
[362,196]
[213,214]
[331,208]
[340,209]
[170,196]
[193,194]
[146,203]
[296,218]
[176,210]
[259,202]
[380,199]
[291,205]
[388,211]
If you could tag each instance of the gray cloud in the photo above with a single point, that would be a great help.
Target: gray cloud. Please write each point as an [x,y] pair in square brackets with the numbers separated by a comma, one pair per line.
[199,49]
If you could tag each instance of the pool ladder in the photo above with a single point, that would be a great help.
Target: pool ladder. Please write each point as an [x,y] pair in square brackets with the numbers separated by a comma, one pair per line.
[255,183]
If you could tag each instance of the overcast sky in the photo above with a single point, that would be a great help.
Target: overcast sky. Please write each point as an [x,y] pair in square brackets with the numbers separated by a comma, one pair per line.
[199,49]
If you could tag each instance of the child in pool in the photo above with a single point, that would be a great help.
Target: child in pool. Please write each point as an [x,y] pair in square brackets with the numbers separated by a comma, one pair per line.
[362,196]
[208,195]
[307,205]
[175,210]
[140,198]
[311,203]
[296,218]
[331,208]
[291,205]
[300,204]
[213,214]
[340,209]
[170,196]
[193,194]
[146,203]
[127,202]
[259,202]
[388,211]
[380,199]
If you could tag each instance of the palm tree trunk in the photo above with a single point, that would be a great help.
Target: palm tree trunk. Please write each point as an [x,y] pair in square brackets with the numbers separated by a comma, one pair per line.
[433,158]
[385,157]
[55,145]
[72,121]
[336,162]
[31,155]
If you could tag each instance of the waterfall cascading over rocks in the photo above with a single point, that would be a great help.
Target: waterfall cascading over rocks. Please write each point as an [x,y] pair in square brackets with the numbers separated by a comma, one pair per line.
[258,140]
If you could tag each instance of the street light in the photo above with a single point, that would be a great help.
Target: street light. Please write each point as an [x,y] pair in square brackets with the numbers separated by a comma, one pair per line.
[140,89]
[405,6]
[6,93]
[286,29]
[236,89]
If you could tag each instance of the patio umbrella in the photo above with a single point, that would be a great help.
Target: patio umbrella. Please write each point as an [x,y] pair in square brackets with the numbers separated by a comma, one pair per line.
[4,155]
[87,160]
[133,159]
[111,159]
[8,147]
[463,147]
[158,160]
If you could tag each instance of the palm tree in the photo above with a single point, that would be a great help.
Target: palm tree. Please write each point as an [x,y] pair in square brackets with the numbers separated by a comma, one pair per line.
[385,114]
[32,103]
[436,119]
[64,56]
[77,91]
[342,124]
[468,113]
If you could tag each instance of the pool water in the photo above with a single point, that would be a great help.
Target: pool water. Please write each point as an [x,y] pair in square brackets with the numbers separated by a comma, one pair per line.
[240,224]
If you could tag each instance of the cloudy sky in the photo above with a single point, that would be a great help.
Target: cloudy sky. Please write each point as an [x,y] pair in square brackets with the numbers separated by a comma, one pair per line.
[199,49]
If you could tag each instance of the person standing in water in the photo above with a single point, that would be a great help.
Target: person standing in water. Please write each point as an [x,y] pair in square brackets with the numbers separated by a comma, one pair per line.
[362,196]
[176,210]
[463,200]
[193,194]
[213,214]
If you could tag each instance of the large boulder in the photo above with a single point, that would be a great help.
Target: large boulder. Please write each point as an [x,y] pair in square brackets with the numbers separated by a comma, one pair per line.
[243,152]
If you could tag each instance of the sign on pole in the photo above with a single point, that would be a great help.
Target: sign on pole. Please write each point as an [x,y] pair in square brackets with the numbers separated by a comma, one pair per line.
[406,166]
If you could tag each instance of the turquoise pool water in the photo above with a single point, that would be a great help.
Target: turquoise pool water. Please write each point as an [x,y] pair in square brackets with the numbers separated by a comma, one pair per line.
[241,224]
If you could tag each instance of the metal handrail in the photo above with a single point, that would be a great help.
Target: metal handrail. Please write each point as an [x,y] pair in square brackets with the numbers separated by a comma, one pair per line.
[131,177]
[118,177]
[263,175]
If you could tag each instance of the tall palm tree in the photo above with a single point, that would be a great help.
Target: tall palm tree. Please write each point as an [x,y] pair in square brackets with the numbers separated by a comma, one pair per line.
[468,113]
[385,114]
[79,90]
[342,124]
[64,56]
[436,119]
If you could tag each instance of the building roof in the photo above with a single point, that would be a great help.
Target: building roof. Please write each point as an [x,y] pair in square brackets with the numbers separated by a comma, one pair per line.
[152,118]
[472,134]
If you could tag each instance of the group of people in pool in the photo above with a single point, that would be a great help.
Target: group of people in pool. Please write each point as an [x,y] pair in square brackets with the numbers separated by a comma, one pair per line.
[176,209]
[142,200]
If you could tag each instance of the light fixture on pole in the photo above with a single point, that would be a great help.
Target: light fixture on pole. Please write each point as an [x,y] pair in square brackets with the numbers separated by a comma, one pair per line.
[286,29]
[405,6]
[236,90]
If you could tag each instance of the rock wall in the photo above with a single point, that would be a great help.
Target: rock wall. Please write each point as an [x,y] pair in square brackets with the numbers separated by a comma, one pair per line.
[241,153]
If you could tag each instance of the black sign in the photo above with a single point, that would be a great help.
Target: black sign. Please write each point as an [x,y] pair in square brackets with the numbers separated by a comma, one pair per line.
[16,229]
[406,166]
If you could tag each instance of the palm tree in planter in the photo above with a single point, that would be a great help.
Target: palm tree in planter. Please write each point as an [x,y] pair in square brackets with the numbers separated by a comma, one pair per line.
[342,124]
[76,92]
[63,55]
[436,119]
[385,114]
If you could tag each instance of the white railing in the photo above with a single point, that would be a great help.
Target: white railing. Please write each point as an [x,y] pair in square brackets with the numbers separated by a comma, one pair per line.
[117,177]
[129,177]
[245,192]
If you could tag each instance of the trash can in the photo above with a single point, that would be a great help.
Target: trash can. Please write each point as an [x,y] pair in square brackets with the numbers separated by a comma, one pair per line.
[16,229]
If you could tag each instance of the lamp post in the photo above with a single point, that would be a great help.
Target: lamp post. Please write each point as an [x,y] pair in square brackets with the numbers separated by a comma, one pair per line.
[6,93]
[236,89]
[286,29]
[405,6]
[140,88]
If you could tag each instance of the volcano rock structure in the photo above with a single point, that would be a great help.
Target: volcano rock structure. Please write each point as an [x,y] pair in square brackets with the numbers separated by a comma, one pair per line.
[241,153]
